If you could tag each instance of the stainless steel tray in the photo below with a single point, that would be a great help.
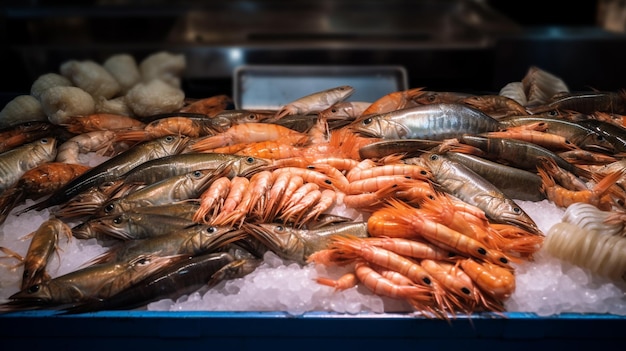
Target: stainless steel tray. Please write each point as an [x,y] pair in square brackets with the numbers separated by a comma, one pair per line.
[271,86]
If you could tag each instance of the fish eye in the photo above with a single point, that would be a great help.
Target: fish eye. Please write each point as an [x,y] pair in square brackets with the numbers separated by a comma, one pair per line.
[169,138]
[482,251]
[35,288]
[600,138]
[333,110]
[431,98]
[553,113]
[280,228]
[211,230]
[197,173]
[109,208]
[434,157]
[504,260]
[118,220]
[517,210]
[367,121]
[251,116]
[466,291]
[44,140]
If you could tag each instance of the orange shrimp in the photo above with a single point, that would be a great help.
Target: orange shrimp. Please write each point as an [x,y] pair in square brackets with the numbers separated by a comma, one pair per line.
[312,176]
[548,140]
[284,184]
[175,125]
[270,150]
[295,212]
[248,133]
[390,260]
[491,279]
[209,106]
[394,101]
[411,248]
[256,188]
[409,170]
[563,197]
[211,199]
[418,295]
[238,187]
[327,200]
[415,192]
[370,201]
[346,281]
[369,185]
[455,280]
[383,223]
[440,234]
[101,121]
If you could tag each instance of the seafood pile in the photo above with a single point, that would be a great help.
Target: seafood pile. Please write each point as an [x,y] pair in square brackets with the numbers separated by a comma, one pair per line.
[415,197]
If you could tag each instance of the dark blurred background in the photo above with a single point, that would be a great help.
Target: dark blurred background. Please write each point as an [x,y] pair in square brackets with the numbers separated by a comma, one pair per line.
[465,45]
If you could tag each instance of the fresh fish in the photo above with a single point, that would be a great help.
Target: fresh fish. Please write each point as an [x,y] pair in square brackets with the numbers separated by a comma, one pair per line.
[460,181]
[433,122]
[17,161]
[176,280]
[158,169]
[177,188]
[114,168]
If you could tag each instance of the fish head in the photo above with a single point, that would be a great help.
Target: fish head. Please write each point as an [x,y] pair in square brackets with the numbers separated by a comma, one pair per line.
[45,149]
[380,126]
[36,293]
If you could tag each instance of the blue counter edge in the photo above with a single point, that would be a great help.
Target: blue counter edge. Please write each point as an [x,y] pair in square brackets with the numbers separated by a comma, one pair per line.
[312,330]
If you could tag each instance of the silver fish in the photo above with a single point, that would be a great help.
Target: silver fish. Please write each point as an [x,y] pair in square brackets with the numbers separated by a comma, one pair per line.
[460,181]
[433,122]
[17,161]
[114,168]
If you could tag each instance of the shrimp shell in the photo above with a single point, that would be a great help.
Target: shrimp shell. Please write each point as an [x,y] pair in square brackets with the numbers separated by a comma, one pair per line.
[604,255]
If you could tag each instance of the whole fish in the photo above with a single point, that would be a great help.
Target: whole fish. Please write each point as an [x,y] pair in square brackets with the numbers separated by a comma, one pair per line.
[114,168]
[514,182]
[433,122]
[177,188]
[192,240]
[87,284]
[315,102]
[584,102]
[298,244]
[173,281]
[460,181]
[520,154]
[15,162]
[130,225]
[168,166]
